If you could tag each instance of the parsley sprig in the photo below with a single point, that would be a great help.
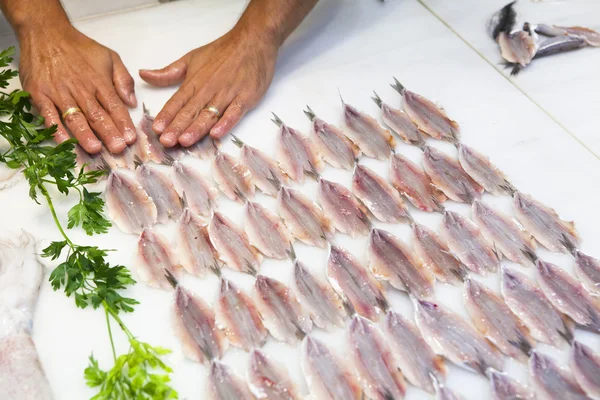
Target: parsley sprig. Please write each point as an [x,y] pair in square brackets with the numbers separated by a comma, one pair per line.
[84,272]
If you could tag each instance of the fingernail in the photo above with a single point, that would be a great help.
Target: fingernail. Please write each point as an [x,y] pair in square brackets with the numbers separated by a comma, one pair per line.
[132,100]
[159,126]
[129,136]
[216,132]
[116,144]
[93,146]
[187,139]
[168,139]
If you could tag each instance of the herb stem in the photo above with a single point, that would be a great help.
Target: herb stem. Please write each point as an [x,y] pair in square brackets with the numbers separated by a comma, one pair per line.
[112,343]
[54,216]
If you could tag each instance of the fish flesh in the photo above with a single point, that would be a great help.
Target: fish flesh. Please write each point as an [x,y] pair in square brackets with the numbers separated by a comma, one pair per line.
[549,378]
[587,269]
[507,237]
[502,20]
[506,388]
[326,376]
[436,257]
[232,245]
[233,178]
[384,202]
[326,308]
[267,232]
[224,384]
[239,318]
[453,338]
[154,258]
[586,368]
[414,357]
[197,253]
[544,224]
[206,148]
[591,37]
[390,259]
[198,193]
[149,143]
[89,162]
[431,119]
[568,296]
[128,204]
[528,303]
[283,315]
[269,380]
[483,172]
[517,47]
[400,123]
[410,180]
[373,358]
[160,189]
[443,393]
[332,143]
[448,176]
[355,285]
[495,320]
[21,373]
[123,160]
[306,220]
[464,239]
[347,214]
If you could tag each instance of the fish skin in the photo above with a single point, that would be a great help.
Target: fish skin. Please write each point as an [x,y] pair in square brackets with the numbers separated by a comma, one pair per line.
[326,377]
[198,193]
[557,45]
[464,239]
[128,204]
[506,388]
[332,143]
[297,155]
[413,355]
[232,245]
[528,303]
[283,315]
[154,258]
[443,393]
[400,123]
[347,214]
[591,37]
[483,172]
[568,296]
[545,224]
[149,142]
[517,47]
[269,380]
[371,138]
[384,202]
[506,236]
[197,253]
[355,285]
[224,384]
[206,148]
[410,180]
[549,378]
[587,269]
[239,318]
[585,365]
[373,358]
[160,189]
[234,178]
[391,259]
[268,177]
[502,20]
[267,232]
[453,338]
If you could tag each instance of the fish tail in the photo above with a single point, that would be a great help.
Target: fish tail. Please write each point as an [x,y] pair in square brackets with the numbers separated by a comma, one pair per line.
[237,141]
[568,244]
[341,98]
[508,188]
[309,113]
[215,269]
[146,111]
[567,332]
[460,274]
[515,70]
[529,254]
[312,173]
[137,161]
[276,120]
[167,160]
[171,278]
[398,87]
[522,344]
[377,99]
[292,252]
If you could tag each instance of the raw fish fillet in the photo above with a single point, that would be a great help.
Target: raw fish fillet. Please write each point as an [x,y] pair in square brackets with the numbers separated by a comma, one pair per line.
[160,189]
[544,224]
[128,204]
[232,245]
[283,315]
[224,384]
[267,232]
[194,247]
[482,171]
[347,214]
[517,47]
[591,37]
[239,318]
[355,285]
[410,180]
[585,365]
[123,160]
[400,123]
[378,196]
[550,379]
[373,358]
[233,178]
[390,259]
[587,269]
[560,44]
[443,393]
[149,142]
[205,149]
[89,162]
[269,380]
[370,137]
[154,259]
[506,388]
[198,193]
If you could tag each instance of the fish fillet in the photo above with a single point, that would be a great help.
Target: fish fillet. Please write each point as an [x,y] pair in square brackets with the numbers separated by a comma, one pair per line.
[154,258]
[194,247]
[517,47]
[347,214]
[160,189]
[400,123]
[123,160]
[443,393]
[549,379]
[199,194]
[297,154]
[557,45]
[269,380]
[224,384]
[585,365]
[587,269]
[149,142]
[89,162]
[267,232]
[410,180]
[206,148]
[591,37]
[483,172]
[371,138]
[506,388]
[233,178]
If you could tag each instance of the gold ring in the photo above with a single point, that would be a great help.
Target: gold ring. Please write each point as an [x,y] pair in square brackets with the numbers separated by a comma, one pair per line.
[69,111]
[213,110]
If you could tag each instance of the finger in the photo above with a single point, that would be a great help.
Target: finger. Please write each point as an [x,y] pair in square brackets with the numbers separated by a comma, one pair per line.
[234,113]
[78,126]
[205,120]
[172,108]
[123,82]
[118,113]
[51,117]
[169,75]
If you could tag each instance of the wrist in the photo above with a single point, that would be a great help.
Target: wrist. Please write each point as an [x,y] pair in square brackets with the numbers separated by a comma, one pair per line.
[33,34]
[269,38]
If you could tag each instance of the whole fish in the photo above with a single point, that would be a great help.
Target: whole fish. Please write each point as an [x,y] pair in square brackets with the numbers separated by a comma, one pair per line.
[267,232]
[373,358]
[160,189]
[21,274]
[154,258]
[528,303]
[149,143]
[464,239]
[506,388]
[591,37]
[384,202]
[326,376]
[206,148]
[587,269]
[269,380]
[390,259]
[197,253]
[586,368]
[452,337]
[400,123]
[224,384]
[483,172]
[326,308]
[355,285]
[550,379]
[544,224]
[436,257]
[283,315]
[568,296]
[410,180]
[306,220]
[128,204]
[517,47]
[506,236]
[232,245]
[199,194]
[495,320]
[414,357]
[347,214]
[233,178]
[337,150]
[239,318]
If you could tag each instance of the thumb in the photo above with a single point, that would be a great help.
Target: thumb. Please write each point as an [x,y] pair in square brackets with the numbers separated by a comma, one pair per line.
[169,75]
[123,82]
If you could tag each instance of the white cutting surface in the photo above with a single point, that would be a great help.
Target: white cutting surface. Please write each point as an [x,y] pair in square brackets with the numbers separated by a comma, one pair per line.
[356,47]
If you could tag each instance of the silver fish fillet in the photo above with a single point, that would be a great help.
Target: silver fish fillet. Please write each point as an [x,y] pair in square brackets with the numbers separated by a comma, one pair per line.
[452,337]
[483,172]
[414,357]
[239,318]
[517,47]
[233,178]
[224,384]
[373,358]
[267,232]
[160,189]
[283,315]
[269,380]
[550,379]
[557,45]
[390,259]
[528,303]
[591,37]
[194,247]
[149,142]
[89,162]
[410,180]
[297,154]
[506,388]
[347,214]
[585,365]
[232,245]
[154,259]
[544,224]
[370,137]
[205,149]
[587,269]
[199,194]
[355,285]
[128,204]
[400,123]
[384,202]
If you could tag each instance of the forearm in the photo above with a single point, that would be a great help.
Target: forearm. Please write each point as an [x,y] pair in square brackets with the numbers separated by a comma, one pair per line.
[35,17]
